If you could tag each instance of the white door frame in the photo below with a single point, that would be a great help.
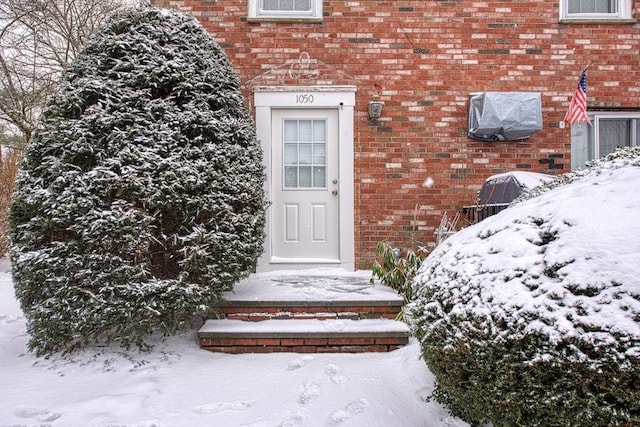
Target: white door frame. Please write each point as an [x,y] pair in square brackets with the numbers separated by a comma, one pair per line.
[341,98]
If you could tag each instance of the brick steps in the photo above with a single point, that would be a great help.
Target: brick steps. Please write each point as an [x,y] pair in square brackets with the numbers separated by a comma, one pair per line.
[306,314]
[303,336]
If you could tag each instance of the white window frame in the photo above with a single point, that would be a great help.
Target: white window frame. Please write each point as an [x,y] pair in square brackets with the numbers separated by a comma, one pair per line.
[594,143]
[623,14]
[256,13]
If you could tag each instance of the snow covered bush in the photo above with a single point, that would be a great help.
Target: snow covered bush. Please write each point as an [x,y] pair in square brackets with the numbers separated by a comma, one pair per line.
[532,317]
[140,197]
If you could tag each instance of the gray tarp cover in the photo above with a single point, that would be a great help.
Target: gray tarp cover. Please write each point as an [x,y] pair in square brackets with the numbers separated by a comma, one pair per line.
[506,187]
[505,116]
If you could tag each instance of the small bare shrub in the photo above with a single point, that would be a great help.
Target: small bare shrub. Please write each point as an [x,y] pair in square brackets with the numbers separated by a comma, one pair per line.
[8,167]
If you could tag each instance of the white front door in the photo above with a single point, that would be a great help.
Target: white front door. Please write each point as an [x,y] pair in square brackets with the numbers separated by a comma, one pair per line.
[307,139]
[304,187]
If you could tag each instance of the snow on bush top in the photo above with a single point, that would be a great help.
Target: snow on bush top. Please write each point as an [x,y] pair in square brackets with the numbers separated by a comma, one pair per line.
[564,263]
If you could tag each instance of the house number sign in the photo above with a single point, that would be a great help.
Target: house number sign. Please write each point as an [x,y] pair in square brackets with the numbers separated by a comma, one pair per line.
[304,98]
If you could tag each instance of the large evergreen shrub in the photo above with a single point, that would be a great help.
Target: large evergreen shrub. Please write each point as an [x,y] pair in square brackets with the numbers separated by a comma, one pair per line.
[532,317]
[140,198]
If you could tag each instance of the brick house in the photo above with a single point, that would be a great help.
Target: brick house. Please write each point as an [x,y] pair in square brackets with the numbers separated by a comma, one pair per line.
[341,181]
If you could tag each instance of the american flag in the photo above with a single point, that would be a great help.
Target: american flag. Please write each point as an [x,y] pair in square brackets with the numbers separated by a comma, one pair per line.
[578,108]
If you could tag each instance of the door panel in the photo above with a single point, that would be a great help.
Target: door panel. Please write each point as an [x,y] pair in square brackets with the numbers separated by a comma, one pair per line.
[291,221]
[319,221]
[304,186]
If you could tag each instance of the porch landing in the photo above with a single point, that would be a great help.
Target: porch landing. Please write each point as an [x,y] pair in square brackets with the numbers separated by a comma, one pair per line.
[329,284]
[320,310]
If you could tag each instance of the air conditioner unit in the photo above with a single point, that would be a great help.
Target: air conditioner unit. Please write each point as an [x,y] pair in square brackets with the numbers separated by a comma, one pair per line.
[504,116]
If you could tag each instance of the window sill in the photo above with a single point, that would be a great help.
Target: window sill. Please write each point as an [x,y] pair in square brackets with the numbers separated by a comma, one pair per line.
[594,21]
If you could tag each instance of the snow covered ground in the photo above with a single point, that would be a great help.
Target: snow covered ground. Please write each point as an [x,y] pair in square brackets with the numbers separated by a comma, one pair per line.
[177,384]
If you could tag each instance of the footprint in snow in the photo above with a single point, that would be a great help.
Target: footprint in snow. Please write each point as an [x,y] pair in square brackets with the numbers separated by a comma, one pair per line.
[42,415]
[310,393]
[216,408]
[291,419]
[335,374]
[298,363]
[294,420]
[354,408]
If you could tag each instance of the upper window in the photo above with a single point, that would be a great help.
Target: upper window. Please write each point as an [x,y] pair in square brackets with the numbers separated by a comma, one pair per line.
[609,131]
[595,10]
[286,10]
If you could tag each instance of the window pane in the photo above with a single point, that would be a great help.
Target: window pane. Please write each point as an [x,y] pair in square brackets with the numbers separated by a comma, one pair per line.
[286,5]
[305,154]
[290,154]
[305,130]
[270,4]
[319,154]
[290,177]
[291,130]
[305,176]
[592,6]
[319,130]
[614,133]
[302,5]
[319,177]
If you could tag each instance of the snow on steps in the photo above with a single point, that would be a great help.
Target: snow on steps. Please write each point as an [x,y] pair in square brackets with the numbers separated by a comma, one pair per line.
[306,313]
[345,309]
[303,336]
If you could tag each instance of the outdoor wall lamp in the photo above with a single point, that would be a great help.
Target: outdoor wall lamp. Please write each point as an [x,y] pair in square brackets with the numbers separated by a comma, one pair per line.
[375,108]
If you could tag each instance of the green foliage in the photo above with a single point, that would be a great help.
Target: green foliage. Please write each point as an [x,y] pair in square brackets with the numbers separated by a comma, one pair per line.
[395,271]
[504,382]
[140,197]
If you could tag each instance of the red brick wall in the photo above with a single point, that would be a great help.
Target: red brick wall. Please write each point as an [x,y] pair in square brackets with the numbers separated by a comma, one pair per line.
[424,58]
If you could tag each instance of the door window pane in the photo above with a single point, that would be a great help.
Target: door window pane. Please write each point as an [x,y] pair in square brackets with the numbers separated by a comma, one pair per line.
[305,176]
[305,154]
[290,154]
[319,154]
[319,176]
[305,133]
[304,158]
[319,130]
[291,131]
[291,177]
